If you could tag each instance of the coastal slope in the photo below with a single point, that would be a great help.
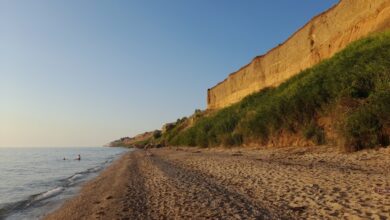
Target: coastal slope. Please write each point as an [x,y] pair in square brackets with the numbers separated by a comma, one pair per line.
[289,183]
[343,101]
[322,37]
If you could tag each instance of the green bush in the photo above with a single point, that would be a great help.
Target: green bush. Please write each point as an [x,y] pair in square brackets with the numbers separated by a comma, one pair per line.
[361,86]
[315,133]
[156,134]
[232,139]
[365,127]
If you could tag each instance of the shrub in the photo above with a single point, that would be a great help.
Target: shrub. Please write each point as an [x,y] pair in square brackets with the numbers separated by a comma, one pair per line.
[363,128]
[315,133]
[156,134]
[232,139]
[362,86]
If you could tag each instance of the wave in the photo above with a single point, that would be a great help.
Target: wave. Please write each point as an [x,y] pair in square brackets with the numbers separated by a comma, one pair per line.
[48,194]
[75,177]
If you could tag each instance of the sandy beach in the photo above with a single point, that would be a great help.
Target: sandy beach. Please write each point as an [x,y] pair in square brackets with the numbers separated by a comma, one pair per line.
[238,183]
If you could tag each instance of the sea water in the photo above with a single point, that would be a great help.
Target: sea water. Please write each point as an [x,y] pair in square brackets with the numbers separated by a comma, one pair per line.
[35,181]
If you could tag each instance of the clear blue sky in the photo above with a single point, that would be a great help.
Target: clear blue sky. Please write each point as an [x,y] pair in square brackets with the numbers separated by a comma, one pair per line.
[82,73]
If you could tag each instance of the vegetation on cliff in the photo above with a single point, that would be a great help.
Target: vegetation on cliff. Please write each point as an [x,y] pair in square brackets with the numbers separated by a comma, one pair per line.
[352,90]
[140,141]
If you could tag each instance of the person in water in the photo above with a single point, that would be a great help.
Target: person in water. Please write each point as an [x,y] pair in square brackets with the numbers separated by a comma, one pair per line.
[78,157]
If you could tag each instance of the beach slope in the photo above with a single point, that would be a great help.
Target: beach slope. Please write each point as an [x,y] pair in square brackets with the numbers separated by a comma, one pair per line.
[194,183]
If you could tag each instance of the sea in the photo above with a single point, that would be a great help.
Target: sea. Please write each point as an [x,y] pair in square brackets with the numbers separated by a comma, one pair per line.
[35,181]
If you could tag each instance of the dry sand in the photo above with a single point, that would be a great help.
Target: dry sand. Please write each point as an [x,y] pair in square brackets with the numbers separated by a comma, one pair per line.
[193,183]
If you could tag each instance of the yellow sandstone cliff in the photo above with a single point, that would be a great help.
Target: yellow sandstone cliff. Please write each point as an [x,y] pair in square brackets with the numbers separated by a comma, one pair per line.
[320,38]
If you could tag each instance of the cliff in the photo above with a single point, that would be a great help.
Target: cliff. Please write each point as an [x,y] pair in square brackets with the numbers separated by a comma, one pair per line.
[343,101]
[322,37]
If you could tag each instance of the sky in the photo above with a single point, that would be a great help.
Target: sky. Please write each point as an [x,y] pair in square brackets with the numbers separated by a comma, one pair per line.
[83,73]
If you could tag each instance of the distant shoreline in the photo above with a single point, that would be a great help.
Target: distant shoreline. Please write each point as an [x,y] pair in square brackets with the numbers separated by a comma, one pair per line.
[275,183]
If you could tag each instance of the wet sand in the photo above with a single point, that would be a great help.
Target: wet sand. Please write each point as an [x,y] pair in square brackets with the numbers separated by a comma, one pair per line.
[238,183]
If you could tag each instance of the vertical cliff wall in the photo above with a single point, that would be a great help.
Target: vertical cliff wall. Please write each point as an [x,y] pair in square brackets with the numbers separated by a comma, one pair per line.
[319,39]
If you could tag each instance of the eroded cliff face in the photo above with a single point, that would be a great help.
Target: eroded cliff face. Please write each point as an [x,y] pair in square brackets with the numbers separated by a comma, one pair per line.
[322,37]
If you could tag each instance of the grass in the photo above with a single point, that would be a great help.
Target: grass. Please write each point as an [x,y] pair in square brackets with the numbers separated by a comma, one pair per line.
[360,73]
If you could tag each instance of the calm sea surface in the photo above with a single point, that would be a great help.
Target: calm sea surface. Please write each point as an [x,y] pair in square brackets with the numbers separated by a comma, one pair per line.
[34,181]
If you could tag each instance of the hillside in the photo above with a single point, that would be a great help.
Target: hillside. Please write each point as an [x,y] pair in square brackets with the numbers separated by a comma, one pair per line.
[343,101]
[140,140]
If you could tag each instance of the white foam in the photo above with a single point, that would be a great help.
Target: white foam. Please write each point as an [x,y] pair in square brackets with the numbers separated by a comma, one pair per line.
[49,193]
[76,176]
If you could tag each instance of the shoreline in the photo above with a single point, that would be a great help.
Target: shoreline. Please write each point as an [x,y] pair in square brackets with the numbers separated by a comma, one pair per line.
[83,188]
[292,183]
[40,181]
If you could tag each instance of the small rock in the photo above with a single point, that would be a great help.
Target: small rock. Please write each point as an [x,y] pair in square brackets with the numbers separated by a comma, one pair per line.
[315,186]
